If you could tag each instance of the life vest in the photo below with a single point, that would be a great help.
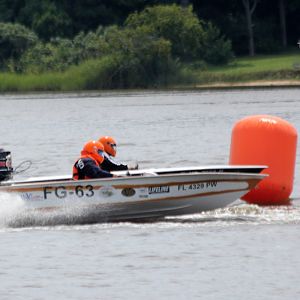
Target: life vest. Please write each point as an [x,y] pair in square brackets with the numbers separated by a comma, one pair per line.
[76,172]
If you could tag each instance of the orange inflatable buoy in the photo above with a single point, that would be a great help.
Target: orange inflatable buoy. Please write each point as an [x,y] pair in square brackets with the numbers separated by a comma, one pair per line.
[271,141]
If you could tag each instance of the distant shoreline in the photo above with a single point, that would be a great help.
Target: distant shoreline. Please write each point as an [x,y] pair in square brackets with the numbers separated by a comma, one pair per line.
[251,84]
[268,71]
[258,84]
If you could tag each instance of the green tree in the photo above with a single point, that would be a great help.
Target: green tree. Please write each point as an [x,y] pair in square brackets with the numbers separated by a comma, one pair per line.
[190,38]
[10,9]
[15,39]
[51,22]
[180,26]
[144,60]
[216,49]
[46,18]
[88,15]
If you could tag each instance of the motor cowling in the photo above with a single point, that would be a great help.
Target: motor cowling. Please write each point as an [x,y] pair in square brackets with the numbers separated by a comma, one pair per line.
[6,170]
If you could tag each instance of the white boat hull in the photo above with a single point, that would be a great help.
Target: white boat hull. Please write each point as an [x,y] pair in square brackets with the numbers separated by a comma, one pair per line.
[139,196]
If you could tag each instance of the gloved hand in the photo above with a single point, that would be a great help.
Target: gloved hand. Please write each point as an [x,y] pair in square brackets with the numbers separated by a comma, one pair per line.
[133,166]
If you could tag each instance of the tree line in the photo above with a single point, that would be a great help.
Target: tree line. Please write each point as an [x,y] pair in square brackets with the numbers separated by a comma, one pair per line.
[153,47]
[253,26]
[155,39]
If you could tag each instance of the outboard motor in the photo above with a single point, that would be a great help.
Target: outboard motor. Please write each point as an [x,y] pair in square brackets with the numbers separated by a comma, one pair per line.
[6,170]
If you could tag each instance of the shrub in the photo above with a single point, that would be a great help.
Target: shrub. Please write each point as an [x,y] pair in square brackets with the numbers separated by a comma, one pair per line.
[45,57]
[59,54]
[90,45]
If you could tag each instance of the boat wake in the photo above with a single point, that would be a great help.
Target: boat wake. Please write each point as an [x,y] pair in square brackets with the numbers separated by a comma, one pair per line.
[10,206]
[244,214]
[14,214]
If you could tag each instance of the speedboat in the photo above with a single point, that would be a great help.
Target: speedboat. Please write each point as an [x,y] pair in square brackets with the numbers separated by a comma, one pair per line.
[139,194]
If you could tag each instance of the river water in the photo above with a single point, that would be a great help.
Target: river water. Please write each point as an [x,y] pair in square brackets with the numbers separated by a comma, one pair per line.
[241,252]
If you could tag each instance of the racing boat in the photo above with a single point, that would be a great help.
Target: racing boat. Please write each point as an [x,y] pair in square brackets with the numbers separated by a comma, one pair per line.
[139,194]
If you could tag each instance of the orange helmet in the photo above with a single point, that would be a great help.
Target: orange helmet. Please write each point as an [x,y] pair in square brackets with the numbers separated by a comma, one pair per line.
[94,149]
[110,145]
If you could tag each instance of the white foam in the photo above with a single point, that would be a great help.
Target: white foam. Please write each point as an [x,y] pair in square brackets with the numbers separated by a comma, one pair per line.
[10,206]
[15,212]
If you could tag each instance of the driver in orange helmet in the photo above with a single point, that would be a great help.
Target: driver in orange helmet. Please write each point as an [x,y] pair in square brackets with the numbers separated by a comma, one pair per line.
[88,165]
[110,148]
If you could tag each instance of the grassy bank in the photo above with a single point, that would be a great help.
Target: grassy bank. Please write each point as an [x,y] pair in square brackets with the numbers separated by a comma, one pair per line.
[97,74]
[93,74]
[248,69]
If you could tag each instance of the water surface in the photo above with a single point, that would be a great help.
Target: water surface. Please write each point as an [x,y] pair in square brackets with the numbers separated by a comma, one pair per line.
[241,252]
